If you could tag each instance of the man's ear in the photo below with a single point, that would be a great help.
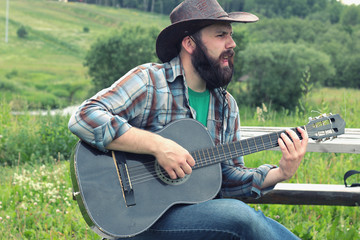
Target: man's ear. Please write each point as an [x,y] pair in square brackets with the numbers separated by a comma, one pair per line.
[188,44]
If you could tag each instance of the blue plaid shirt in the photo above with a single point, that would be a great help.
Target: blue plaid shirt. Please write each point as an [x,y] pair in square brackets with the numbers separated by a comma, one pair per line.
[149,97]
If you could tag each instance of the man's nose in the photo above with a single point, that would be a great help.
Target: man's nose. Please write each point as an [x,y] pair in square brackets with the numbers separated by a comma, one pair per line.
[231,43]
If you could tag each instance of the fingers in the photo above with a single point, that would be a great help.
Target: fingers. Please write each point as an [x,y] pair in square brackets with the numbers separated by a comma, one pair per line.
[293,150]
[291,145]
[181,171]
[305,137]
[181,168]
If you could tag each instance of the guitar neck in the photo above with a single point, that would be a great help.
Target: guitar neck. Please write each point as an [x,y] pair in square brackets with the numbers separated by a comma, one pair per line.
[223,152]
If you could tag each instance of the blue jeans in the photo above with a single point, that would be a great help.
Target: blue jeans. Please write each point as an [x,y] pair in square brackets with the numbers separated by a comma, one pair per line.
[218,219]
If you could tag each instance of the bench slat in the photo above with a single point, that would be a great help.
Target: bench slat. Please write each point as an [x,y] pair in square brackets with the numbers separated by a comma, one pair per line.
[310,194]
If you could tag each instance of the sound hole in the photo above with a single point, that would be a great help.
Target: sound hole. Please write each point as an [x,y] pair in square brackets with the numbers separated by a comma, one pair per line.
[162,174]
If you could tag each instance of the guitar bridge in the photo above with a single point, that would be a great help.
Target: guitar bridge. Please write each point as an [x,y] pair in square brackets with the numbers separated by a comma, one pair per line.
[124,178]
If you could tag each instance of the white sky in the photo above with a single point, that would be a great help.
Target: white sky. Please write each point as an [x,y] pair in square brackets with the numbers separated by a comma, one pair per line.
[349,2]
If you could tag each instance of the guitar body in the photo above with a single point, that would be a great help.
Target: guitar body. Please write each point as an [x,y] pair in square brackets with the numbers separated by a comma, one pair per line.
[99,193]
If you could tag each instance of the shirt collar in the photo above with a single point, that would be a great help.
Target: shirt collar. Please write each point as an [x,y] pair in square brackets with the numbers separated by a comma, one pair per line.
[177,69]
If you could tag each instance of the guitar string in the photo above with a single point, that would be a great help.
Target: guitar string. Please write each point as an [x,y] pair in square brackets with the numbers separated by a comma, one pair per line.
[207,149]
[149,175]
[206,159]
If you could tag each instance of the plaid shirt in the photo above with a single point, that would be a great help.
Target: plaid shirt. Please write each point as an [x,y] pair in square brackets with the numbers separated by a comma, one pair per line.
[149,97]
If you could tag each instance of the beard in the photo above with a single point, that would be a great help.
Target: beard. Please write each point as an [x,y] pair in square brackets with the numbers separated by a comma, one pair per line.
[210,69]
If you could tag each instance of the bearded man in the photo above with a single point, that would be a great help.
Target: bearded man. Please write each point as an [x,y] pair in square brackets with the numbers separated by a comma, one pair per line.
[197,51]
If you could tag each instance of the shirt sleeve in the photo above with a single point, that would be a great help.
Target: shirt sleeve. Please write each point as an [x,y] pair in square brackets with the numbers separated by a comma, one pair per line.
[104,117]
[238,180]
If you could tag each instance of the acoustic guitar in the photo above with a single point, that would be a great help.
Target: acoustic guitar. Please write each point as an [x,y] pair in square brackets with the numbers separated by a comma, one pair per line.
[122,194]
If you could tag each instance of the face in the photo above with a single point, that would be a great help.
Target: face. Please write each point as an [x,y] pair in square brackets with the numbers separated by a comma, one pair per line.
[214,55]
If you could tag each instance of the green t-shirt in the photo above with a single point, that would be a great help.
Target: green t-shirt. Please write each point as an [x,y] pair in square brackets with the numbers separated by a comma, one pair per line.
[199,101]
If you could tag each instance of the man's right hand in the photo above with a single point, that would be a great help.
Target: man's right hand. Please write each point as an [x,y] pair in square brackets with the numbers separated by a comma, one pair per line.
[175,159]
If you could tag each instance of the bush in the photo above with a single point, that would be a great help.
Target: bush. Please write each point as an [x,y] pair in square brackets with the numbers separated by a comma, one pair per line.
[111,57]
[21,32]
[33,139]
[276,71]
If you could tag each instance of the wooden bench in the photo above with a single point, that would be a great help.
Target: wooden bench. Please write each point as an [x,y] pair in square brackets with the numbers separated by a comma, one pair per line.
[312,194]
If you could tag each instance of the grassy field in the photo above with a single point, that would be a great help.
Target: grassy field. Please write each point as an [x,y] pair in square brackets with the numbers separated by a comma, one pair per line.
[35,195]
[36,202]
[46,69]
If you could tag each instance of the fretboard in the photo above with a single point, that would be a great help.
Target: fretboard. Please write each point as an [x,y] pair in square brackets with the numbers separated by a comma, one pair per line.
[223,152]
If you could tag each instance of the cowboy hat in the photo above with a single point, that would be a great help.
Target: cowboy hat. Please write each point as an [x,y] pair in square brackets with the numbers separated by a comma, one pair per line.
[189,17]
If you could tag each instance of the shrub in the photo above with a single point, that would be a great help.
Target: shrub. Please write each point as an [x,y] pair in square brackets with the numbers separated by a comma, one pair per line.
[33,139]
[21,32]
[276,71]
[111,57]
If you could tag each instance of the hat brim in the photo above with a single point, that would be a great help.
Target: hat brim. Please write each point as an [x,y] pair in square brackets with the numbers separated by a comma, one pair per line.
[169,38]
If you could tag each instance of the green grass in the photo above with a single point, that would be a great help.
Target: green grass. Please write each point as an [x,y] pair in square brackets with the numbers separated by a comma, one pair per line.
[35,195]
[36,202]
[41,68]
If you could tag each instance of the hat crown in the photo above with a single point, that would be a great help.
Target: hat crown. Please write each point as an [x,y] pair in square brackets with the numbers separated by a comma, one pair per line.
[197,9]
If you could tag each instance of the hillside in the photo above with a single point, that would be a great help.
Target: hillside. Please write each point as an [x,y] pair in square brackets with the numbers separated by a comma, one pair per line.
[46,68]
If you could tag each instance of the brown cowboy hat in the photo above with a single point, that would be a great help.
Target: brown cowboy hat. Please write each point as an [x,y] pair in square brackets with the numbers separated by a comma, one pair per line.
[189,17]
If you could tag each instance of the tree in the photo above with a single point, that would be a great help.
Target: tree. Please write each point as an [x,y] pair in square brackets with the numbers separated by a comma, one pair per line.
[287,30]
[351,16]
[21,32]
[348,72]
[276,71]
[111,57]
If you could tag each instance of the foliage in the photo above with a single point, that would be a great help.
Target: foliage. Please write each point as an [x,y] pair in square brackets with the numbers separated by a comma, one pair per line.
[348,72]
[275,72]
[351,16]
[86,29]
[111,57]
[36,203]
[275,8]
[29,138]
[21,32]
[291,30]
[46,70]
[306,87]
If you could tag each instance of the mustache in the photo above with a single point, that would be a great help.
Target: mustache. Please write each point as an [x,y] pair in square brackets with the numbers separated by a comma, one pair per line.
[227,53]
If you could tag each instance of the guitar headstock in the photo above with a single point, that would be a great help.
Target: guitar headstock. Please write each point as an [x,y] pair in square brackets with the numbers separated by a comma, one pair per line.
[325,127]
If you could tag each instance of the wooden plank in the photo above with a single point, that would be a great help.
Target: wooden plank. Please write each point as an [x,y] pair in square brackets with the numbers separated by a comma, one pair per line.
[310,194]
[346,143]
